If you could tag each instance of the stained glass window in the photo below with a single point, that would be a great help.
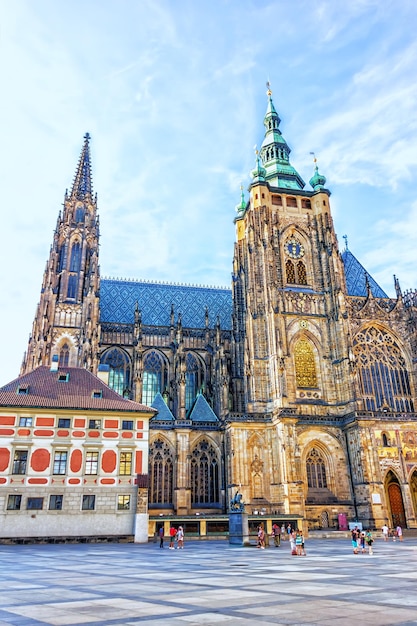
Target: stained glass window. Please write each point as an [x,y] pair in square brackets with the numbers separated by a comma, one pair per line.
[316,470]
[154,377]
[161,473]
[75,261]
[205,487]
[192,380]
[119,374]
[305,366]
[72,286]
[64,356]
[383,375]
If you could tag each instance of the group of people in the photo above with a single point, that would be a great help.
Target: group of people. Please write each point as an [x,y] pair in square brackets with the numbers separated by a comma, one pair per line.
[176,536]
[362,539]
[295,537]
[393,533]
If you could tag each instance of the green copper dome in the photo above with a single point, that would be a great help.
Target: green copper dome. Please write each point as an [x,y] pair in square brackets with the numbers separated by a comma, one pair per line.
[275,153]
[318,180]
[259,172]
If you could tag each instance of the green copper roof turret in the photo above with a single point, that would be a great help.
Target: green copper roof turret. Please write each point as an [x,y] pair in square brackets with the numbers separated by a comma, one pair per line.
[275,152]
[241,207]
[318,180]
[259,172]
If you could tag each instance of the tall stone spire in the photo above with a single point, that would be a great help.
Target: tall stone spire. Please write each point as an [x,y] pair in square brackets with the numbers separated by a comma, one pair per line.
[67,316]
[275,152]
[82,185]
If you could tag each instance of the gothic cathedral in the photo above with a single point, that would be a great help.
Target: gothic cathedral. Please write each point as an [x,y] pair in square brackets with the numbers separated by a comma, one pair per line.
[296,386]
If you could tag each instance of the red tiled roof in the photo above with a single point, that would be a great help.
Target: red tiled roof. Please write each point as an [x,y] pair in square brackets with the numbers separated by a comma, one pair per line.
[45,390]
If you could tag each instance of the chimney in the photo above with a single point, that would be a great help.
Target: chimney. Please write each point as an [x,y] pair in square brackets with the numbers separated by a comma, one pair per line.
[54,363]
[103,373]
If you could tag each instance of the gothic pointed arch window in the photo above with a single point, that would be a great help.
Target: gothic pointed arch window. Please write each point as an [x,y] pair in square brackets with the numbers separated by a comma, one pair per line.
[290,272]
[384,380]
[316,470]
[79,214]
[305,365]
[155,376]
[161,473]
[193,379]
[72,287]
[75,259]
[205,475]
[64,355]
[296,273]
[119,373]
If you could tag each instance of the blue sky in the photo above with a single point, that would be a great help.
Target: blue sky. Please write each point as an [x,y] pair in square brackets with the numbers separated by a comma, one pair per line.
[173,95]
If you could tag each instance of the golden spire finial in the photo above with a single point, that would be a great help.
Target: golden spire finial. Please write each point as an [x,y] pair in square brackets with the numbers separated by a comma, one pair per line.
[255,147]
[269,91]
[314,158]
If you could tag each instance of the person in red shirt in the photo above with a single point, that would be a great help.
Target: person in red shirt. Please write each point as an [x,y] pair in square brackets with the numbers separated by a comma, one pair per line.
[172,533]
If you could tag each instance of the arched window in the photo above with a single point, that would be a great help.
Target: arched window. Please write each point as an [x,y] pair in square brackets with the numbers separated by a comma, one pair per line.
[161,473]
[383,376]
[75,261]
[385,440]
[119,374]
[64,356]
[154,377]
[193,380]
[79,214]
[205,486]
[305,366]
[290,271]
[296,272]
[316,470]
[72,286]
[61,258]
[301,273]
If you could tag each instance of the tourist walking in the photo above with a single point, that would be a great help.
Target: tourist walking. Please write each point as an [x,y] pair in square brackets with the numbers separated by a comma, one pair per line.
[180,537]
[261,537]
[292,537]
[362,538]
[369,540]
[355,537]
[385,531]
[298,543]
[303,549]
[172,535]
[399,531]
[283,532]
[161,537]
[276,533]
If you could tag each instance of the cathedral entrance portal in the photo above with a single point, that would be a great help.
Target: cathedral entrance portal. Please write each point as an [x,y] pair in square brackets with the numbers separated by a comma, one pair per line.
[396,504]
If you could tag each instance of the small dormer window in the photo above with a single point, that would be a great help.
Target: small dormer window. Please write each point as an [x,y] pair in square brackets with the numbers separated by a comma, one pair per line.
[97,393]
[63,377]
[23,390]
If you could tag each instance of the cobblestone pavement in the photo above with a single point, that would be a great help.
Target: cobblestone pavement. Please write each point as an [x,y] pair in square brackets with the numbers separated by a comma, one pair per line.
[208,583]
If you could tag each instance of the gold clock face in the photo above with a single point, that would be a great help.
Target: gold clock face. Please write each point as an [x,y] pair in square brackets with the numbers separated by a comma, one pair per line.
[294,248]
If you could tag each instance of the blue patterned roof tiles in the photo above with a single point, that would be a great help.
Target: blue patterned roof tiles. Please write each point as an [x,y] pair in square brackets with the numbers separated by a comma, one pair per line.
[118,300]
[356,277]
[202,411]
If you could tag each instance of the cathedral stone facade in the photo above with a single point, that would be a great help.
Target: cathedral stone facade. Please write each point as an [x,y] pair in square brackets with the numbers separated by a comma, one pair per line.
[296,386]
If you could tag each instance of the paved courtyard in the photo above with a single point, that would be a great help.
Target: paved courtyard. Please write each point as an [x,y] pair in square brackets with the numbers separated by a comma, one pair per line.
[208,583]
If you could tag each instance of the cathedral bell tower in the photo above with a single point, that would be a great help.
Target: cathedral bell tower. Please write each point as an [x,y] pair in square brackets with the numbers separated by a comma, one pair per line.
[67,316]
[290,336]
[289,325]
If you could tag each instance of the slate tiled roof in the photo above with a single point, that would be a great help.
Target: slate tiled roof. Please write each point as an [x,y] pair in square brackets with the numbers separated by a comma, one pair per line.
[45,390]
[164,413]
[202,411]
[118,299]
[356,278]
